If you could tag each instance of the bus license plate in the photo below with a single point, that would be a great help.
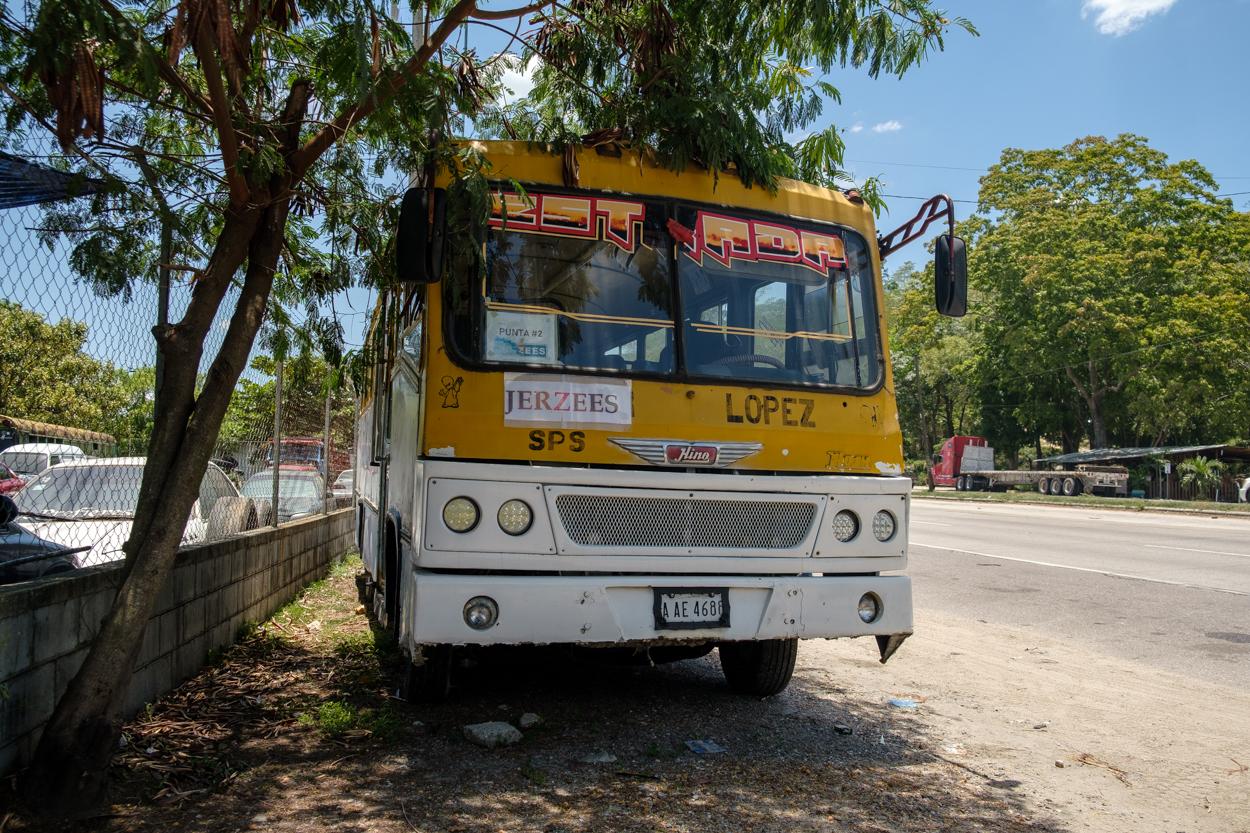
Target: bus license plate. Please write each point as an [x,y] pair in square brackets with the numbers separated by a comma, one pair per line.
[691,607]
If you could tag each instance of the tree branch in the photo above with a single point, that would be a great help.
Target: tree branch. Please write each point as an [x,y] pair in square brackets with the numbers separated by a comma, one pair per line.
[378,94]
[221,117]
[1076,383]
[293,114]
[504,14]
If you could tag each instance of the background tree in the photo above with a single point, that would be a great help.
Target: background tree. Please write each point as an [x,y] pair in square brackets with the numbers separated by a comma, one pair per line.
[935,360]
[245,129]
[50,377]
[1107,265]
[305,380]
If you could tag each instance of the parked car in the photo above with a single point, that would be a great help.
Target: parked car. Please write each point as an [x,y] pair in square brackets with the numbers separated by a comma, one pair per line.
[343,487]
[10,481]
[301,491]
[30,459]
[91,504]
[25,556]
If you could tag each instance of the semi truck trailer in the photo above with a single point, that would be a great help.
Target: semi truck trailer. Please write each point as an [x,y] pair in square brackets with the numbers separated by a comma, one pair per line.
[967,463]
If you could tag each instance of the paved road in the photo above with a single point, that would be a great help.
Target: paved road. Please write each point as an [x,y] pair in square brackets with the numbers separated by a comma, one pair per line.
[1169,590]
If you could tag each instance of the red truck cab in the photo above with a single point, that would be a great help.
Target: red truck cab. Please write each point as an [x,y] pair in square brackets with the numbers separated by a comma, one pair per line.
[947,464]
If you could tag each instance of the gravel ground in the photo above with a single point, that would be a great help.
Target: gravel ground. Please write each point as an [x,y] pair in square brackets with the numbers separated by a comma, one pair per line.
[296,729]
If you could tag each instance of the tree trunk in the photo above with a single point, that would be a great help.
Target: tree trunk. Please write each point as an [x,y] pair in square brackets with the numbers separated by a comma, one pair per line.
[68,776]
[1097,424]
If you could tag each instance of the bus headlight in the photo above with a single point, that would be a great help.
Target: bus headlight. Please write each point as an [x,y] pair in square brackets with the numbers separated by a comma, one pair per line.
[460,514]
[883,526]
[481,612]
[515,517]
[869,608]
[845,525]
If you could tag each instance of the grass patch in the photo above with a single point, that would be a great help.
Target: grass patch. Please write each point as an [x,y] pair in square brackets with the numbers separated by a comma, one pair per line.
[338,718]
[357,645]
[1131,504]
[347,566]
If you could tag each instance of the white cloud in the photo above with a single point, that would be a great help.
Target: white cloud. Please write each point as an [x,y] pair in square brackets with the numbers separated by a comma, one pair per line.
[1119,17]
[857,127]
[891,126]
[518,79]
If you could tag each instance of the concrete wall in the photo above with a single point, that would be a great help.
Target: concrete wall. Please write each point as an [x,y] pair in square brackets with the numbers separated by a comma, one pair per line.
[46,626]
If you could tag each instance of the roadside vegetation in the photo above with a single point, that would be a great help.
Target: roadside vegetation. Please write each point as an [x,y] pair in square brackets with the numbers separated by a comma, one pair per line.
[1109,304]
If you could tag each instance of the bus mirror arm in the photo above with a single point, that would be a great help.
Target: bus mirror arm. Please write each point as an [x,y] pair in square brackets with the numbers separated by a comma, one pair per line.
[950,264]
[935,208]
[419,238]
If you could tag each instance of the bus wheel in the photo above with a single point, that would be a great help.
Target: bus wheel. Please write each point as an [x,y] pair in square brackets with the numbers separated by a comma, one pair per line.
[1071,486]
[759,669]
[430,680]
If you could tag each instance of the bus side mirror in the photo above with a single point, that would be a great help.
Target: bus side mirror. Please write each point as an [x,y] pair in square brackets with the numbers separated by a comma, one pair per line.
[950,276]
[419,238]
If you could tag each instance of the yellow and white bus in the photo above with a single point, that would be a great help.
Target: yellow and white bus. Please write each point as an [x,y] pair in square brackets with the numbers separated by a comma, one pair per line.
[652,411]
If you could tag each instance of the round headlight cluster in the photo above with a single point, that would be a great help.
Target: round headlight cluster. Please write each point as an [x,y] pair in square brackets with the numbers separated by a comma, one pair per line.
[883,526]
[460,514]
[845,525]
[515,517]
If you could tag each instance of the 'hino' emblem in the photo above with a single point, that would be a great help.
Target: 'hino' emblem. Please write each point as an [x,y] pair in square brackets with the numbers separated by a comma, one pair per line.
[686,453]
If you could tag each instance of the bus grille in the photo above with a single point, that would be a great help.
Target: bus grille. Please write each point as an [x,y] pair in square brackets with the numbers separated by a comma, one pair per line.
[618,521]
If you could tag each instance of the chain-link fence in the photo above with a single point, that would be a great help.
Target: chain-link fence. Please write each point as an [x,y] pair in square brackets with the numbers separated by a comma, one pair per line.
[77,379]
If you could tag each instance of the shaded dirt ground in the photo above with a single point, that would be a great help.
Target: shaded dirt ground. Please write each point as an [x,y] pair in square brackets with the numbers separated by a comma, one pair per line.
[296,729]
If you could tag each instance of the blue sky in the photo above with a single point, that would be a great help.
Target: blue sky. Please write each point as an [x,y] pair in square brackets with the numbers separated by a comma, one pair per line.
[1042,73]
[1045,72]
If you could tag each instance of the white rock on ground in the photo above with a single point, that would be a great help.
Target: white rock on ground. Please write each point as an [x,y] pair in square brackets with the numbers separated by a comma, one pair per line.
[529,720]
[492,734]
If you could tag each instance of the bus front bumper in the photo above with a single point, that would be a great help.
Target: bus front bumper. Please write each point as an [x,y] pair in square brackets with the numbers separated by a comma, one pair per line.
[607,610]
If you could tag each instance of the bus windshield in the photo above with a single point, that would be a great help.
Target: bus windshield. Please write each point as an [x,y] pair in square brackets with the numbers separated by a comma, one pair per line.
[760,300]
[571,302]
[781,322]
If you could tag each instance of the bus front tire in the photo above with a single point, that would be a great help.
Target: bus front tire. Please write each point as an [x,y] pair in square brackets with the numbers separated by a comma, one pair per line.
[760,669]
[428,681]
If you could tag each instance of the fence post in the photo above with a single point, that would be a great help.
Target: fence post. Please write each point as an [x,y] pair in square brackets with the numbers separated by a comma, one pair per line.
[325,456]
[277,437]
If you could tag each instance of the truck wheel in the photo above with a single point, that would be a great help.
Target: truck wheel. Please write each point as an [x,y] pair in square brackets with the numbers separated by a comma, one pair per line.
[959,483]
[1043,485]
[1056,486]
[430,680]
[760,669]
[1072,486]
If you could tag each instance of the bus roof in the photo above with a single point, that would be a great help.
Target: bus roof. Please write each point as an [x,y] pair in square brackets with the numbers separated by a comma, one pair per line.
[47,429]
[631,172]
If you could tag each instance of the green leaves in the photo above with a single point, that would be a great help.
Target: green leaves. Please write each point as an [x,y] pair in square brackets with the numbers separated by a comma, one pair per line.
[724,84]
[1109,273]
